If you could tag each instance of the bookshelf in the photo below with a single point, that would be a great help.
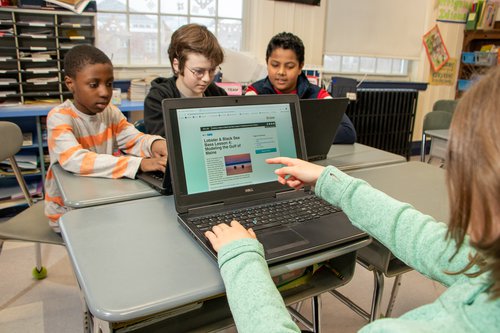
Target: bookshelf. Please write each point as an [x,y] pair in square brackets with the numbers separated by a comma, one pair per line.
[33,44]
[474,63]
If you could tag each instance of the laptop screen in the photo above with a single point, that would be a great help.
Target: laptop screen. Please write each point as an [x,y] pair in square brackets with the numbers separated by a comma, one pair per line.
[218,145]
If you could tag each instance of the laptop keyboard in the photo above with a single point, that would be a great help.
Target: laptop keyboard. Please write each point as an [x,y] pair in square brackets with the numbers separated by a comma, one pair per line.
[157,175]
[292,211]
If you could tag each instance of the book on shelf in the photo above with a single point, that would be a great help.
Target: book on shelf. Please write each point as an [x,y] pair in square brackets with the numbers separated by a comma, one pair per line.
[474,15]
[6,171]
[488,14]
[139,88]
[27,139]
[14,192]
[76,6]
[13,196]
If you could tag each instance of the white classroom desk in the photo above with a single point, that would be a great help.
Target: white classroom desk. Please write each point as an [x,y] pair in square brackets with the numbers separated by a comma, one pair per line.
[133,260]
[79,191]
[358,156]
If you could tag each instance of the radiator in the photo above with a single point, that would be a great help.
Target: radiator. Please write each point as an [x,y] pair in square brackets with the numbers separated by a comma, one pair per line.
[384,118]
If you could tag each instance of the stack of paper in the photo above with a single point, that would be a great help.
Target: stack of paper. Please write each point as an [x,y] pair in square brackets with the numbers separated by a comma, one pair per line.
[42,80]
[5,93]
[37,56]
[25,162]
[41,70]
[139,88]
[7,81]
[14,192]
[76,6]
[38,34]
[6,32]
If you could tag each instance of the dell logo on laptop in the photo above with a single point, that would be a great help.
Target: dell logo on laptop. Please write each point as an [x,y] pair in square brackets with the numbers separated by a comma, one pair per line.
[248,190]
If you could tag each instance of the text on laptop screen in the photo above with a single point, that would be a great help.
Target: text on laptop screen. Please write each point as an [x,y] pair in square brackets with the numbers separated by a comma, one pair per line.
[225,147]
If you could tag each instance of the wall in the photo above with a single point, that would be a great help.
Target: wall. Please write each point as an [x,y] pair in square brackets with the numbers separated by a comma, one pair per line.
[269,17]
[452,34]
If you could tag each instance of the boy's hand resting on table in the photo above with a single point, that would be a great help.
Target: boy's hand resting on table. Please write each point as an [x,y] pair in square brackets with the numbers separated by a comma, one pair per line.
[154,164]
[223,234]
[296,173]
[159,148]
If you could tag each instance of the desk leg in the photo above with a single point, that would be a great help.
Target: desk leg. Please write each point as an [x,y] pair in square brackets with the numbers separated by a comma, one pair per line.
[315,324]
[422,148]
[316,313]
[394,293]
[378,289]
[101,326]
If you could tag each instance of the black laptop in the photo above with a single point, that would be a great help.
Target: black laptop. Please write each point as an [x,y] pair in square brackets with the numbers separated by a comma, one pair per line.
[217,152]
[320,120]
[158,180]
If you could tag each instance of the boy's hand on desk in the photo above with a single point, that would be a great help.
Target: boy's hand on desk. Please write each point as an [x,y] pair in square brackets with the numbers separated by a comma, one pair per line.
[159,148]
[223,234]
[154,164]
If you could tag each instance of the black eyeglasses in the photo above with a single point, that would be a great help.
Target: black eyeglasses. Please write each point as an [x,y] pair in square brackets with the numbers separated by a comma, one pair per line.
[199,73]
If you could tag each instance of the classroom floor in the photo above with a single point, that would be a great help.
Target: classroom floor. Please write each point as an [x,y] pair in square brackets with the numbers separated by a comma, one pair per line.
[54,305]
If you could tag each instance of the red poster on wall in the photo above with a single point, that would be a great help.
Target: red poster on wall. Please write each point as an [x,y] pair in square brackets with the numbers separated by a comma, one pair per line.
[436,50]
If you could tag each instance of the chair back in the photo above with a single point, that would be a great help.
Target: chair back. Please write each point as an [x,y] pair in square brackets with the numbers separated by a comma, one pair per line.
[11,138]
[343,87]
[437,120]
[448,105]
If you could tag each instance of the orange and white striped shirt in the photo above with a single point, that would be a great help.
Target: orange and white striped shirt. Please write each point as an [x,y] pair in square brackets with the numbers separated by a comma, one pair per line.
[90,145]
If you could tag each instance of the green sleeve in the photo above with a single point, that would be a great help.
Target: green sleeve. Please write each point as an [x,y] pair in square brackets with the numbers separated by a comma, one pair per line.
[255,303]
[415,238]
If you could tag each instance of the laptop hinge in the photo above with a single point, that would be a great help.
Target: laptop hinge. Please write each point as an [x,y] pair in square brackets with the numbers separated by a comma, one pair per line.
[206,209]
[290,194]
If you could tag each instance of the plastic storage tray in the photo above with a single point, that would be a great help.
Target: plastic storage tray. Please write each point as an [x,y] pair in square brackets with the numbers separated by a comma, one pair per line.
[464,84]
[468,58]
[486,58]
[480,58]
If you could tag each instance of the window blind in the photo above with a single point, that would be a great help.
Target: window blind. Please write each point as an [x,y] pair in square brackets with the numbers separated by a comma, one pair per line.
[376,28]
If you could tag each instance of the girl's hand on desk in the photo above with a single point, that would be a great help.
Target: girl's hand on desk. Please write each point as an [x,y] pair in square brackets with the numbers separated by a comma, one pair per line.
[154,164]
[223,234]
[159,148]
[296,173]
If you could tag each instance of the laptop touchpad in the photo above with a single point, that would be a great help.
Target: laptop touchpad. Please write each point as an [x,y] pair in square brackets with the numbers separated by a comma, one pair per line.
[280,240]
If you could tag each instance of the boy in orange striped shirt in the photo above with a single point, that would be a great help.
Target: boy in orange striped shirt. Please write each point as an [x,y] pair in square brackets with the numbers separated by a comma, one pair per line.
[87,135]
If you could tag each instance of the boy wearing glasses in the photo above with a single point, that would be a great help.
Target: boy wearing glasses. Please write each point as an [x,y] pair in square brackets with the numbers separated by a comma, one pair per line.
[195,56]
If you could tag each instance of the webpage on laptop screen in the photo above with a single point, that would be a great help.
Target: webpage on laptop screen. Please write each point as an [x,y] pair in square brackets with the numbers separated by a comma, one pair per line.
[226,147]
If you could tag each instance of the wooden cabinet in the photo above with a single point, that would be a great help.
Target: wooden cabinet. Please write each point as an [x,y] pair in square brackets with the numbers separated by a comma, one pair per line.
[33,44]
[474,63]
